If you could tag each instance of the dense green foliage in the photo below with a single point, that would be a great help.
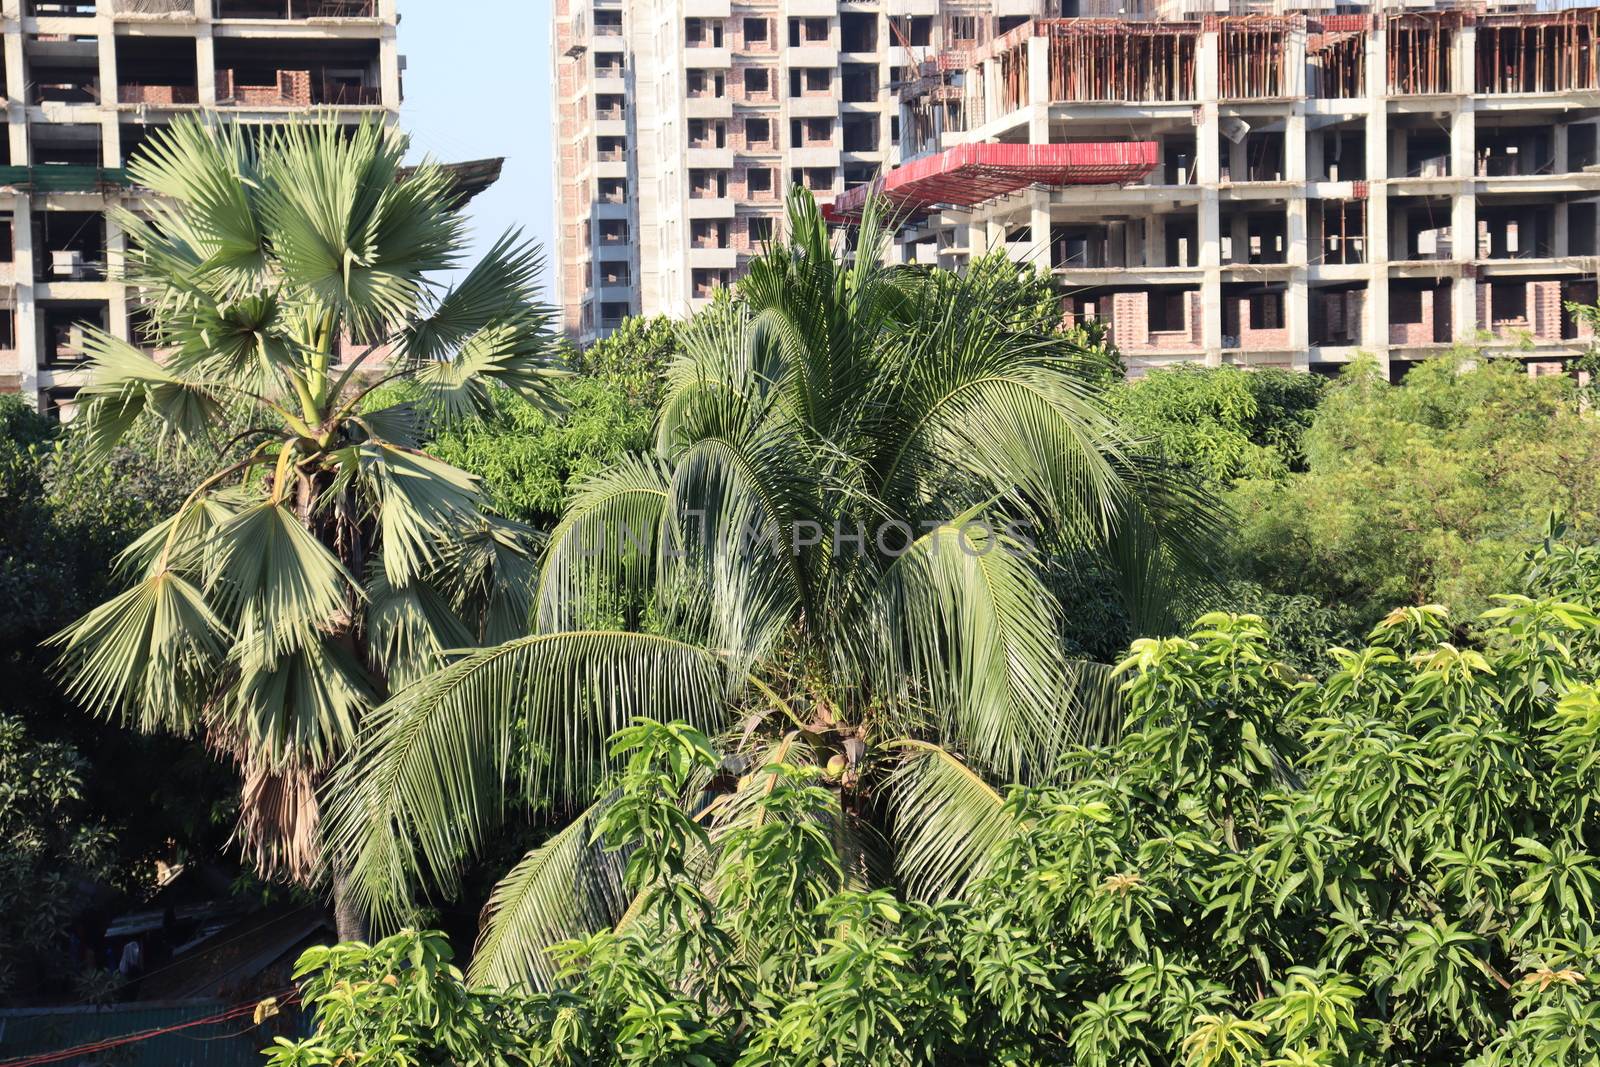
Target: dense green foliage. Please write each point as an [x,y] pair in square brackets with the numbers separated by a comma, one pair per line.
[1223,423]
[1423,491]
[52,851]
[1394,865]
[530,460]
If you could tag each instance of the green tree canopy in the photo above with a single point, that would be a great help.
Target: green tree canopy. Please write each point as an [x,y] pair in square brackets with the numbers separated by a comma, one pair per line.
[530,461]
[1423,491]
[1223,423]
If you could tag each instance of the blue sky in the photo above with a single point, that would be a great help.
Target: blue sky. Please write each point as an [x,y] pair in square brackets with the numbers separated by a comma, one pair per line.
[478,84]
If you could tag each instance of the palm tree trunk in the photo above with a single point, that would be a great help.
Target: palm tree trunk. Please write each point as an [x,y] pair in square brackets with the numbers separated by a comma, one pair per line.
[348,917]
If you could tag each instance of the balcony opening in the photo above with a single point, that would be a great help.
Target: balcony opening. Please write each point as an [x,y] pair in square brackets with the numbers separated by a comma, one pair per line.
[911,31]
[811,133]
[607,23]
[613,232]
[1177,160]
[860,132]
[816,179]
[1581,146]
[706,280]
[1419,313]
[609,65]
[264,73]
[702,33]
[1341,235]
[858,83]
[612,312]
[610,107]
[1337,315]
[61,9]
[758,134]
[709,233]
[295,10]
[1581,229]
[706,84]
[1339,155]
[1514,151]
[809,81]
[858,174]
[8,329]
[63,324]
[1427,155]
[66,145]
[63,70]
[1181,246]
[158,71]
[1520,232]
[805,32]
[707,184]
[611,149]
[708,133]
[70,246]
[1256,158]
[858,32]
[615,272]
[612,191]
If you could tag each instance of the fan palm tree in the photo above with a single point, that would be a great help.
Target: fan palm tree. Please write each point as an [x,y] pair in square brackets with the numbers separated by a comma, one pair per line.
[328,560]
[837,554]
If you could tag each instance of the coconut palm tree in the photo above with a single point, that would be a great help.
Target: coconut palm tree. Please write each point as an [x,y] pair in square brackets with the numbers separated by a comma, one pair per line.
[328,560]
[838,553]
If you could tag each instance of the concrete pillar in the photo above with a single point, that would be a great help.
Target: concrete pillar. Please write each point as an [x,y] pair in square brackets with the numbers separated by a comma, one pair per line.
[205,58]
[16,88]
[1208,162]
[1561,161]
[1155,245]
[1464,220]
[1296,310]
[1375,331]
[29,356]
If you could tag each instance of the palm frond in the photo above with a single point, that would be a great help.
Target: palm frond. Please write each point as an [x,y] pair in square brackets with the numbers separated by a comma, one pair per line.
[124,383]
[432,770]
[946,821]
[567,887]
[142,655]
[421,503]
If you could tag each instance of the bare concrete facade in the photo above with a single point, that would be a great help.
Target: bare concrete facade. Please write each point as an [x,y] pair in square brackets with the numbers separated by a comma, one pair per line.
[1385,182]
[87,81]
[681,123]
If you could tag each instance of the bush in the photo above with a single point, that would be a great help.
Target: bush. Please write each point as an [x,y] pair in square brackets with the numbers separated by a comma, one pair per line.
[1394,865]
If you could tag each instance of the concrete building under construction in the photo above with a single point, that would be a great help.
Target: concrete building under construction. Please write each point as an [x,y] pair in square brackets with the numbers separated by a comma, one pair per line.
[1294,188]
[1265,188]
[88,81]
[680,124]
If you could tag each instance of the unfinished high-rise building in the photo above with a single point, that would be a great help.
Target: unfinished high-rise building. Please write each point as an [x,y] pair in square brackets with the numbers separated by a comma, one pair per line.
[680,125]
[87,82]
[1281,189]
[1271,184]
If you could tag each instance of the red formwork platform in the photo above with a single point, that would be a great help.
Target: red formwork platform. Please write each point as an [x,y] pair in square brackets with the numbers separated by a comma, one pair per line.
[972,173]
